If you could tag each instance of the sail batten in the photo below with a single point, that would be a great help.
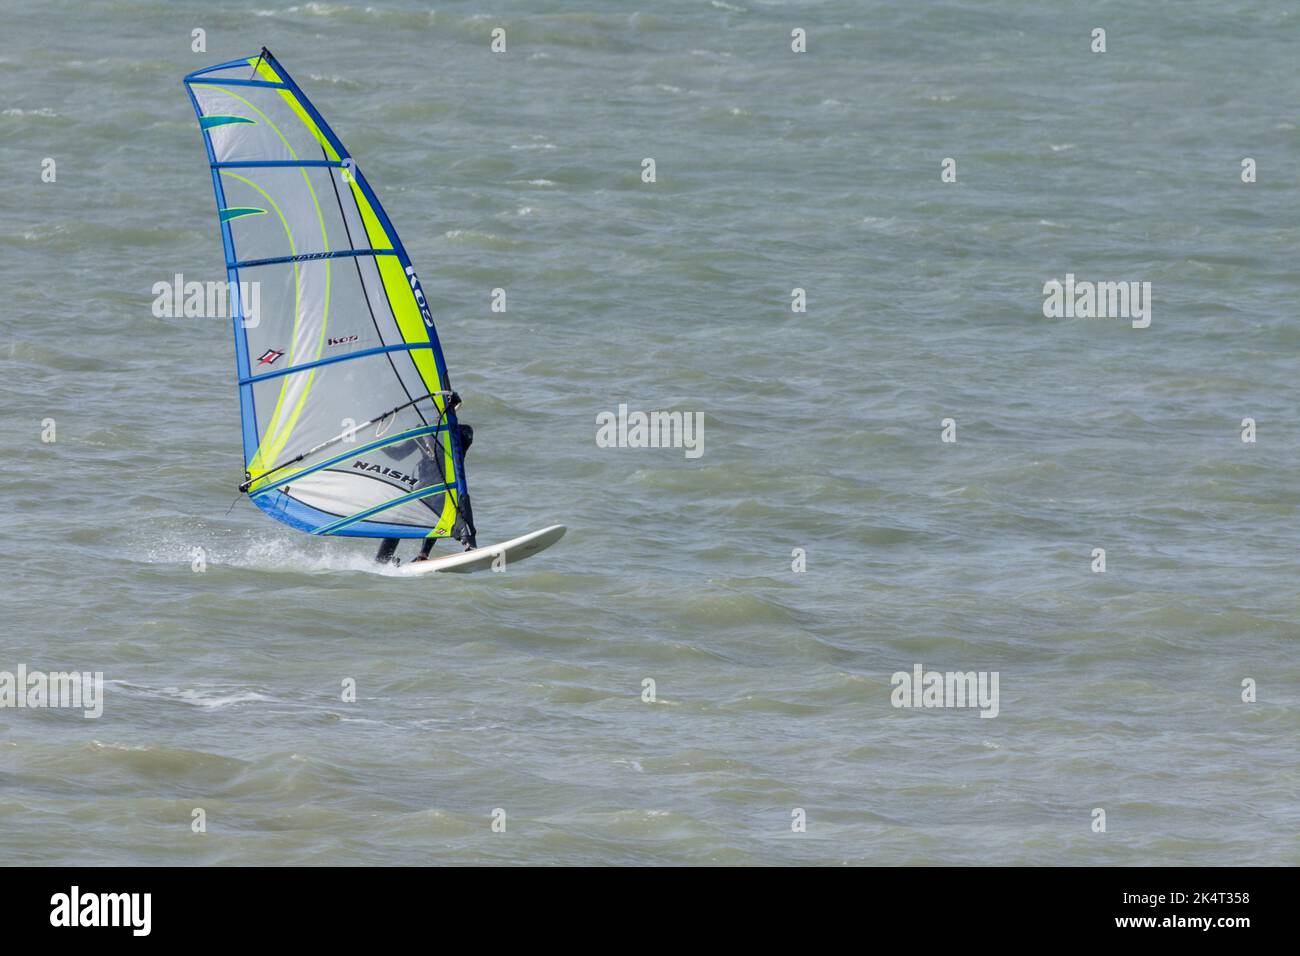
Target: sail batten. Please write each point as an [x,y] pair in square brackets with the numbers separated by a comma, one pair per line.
[307,256]
[408,347]
[338,329]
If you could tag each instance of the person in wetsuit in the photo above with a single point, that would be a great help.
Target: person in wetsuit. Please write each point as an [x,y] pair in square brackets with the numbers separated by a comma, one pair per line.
[429,474]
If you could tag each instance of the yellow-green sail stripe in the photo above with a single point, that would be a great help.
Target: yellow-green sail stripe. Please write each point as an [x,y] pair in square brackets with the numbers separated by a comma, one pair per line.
[277,435]
[268,73]
[406,311]
[398,288]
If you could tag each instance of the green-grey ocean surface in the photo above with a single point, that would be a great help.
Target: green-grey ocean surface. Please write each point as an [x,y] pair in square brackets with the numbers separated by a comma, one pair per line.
[522,691]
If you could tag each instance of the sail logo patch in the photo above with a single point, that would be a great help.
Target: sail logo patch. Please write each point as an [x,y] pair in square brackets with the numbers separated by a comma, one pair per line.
[386,472]
[269,357]
[419,296]
[342,340]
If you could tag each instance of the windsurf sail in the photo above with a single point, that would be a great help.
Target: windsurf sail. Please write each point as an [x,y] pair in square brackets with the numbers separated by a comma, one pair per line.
[349,423]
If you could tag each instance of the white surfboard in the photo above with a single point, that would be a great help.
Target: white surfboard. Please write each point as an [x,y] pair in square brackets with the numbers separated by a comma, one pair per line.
[503,555]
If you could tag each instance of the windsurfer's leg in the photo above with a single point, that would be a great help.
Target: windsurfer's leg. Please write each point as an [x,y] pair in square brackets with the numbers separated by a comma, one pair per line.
[464,530]
[386,549]
[426,548]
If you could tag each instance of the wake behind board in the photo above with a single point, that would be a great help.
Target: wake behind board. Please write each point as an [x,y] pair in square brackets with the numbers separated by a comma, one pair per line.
[481,559]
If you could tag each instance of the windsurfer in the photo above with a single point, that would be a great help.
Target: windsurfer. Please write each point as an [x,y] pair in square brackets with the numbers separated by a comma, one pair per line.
[430,473]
